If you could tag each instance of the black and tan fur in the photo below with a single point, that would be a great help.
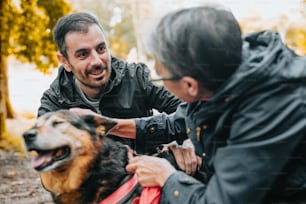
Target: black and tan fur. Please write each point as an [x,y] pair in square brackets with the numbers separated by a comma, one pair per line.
[76,163]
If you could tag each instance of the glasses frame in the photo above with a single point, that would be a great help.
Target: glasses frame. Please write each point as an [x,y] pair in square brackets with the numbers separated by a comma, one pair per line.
[173,78]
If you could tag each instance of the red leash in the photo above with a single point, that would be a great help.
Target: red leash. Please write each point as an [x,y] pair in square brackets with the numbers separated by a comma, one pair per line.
[121,192]
[149,195]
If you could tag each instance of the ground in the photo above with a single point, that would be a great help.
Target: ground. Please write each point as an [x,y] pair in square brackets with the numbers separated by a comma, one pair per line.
[20,184]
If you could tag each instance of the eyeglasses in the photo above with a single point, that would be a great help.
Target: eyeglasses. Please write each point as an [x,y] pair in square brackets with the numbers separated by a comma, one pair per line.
[173,78]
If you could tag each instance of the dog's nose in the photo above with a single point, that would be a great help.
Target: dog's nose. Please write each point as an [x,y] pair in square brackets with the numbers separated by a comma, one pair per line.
[29,135]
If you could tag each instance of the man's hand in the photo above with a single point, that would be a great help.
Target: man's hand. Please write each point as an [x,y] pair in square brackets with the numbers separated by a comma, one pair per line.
[125,128]
[185,156]
[150,171]
[83,111]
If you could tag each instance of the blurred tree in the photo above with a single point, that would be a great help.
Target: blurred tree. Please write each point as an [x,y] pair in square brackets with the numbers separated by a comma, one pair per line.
[116,19]
[296,38]
[26,34]
[142,14]
[290,27]
[296,32]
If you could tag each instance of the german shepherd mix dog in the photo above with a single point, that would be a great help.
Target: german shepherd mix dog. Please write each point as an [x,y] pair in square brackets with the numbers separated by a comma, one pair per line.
[76,163]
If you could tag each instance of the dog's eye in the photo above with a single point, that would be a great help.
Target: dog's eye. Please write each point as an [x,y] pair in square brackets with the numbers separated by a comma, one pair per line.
[55,123]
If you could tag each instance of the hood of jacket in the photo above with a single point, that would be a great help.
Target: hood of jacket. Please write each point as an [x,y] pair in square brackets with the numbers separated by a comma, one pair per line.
[266,62]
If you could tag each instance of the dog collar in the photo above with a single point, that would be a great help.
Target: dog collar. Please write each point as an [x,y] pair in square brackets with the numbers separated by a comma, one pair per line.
[122,191]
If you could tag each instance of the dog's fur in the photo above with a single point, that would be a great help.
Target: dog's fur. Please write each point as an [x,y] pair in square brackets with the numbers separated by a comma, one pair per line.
[77,164]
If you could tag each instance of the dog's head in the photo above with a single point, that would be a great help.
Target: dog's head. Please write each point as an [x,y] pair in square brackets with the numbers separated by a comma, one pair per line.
[60,138]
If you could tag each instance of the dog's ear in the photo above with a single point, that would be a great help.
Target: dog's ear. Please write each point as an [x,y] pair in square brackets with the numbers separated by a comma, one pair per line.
[101,123]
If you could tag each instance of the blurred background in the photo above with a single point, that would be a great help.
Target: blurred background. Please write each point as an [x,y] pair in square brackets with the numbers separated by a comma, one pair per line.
[28,60]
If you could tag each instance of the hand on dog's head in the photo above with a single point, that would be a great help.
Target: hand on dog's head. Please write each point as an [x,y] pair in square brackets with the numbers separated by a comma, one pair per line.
[103,124]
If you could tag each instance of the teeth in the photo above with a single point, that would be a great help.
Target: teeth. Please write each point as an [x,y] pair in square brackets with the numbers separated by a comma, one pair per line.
[97,71]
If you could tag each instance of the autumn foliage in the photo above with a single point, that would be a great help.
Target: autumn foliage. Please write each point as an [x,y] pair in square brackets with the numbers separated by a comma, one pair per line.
[26,34]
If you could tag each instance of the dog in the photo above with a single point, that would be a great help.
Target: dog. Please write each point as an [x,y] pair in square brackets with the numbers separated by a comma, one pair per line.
[76,162]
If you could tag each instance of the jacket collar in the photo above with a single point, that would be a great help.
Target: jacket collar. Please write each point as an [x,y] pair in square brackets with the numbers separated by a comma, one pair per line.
[266,62]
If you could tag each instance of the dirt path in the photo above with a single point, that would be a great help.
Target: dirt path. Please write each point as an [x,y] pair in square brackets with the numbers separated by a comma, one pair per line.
[19,183]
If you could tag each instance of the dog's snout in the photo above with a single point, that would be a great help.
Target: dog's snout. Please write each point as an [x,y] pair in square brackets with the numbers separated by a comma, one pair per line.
[29,135]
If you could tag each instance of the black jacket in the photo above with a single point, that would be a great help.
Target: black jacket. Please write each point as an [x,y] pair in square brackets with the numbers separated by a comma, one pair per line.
[250,134]
[129,94]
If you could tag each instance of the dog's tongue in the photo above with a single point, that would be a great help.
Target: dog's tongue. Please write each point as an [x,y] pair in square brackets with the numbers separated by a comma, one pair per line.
[42,160]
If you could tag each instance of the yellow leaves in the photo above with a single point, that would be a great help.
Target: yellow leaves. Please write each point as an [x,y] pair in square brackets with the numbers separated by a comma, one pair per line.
[300,40]
[122,38]
[294,33]
[119,47]
[27,30]
[9,141]
[296,38]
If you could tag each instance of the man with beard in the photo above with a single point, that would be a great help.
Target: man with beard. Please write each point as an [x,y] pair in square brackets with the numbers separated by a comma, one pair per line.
[90,77]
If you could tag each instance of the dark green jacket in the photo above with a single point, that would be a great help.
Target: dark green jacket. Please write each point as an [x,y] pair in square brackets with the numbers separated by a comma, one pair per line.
[251,134]
[129,94]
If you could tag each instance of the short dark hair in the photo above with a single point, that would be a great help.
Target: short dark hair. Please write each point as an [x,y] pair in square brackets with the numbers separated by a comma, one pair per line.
[202,42]
[76,22]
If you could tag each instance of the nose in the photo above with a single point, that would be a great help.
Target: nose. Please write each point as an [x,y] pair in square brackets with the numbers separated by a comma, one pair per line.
[95,59]
[30,135]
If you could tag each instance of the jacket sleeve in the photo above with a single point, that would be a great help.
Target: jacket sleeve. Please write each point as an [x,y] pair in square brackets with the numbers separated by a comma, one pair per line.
[160,129]
[265,133]
[157,97]
[48,103]
[161,99]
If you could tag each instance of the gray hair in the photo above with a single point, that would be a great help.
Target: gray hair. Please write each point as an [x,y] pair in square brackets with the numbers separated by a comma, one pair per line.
[76,22]
[202,42]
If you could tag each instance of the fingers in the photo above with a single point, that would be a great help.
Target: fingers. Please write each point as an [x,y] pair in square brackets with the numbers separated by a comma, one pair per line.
[151,171]
[199,161]
[131,152]
[191,159]
[186,159]
[193,163]
[179,156]
[132,166]
[82,111]
[185,156]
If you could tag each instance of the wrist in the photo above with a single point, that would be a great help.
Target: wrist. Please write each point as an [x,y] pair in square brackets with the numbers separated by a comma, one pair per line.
[165,175]
[124,128]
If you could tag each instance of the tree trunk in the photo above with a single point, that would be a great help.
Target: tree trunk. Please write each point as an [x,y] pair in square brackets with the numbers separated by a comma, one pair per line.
[6,109]
[3,112]
[10,113]
[6,139]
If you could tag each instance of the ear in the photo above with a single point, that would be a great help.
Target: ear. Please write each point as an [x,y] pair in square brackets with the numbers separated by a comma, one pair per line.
[101,123]
[62,59]
[191,86]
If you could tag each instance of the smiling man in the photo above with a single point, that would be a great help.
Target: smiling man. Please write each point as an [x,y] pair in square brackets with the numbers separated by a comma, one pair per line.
[89,60]
[91,78]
